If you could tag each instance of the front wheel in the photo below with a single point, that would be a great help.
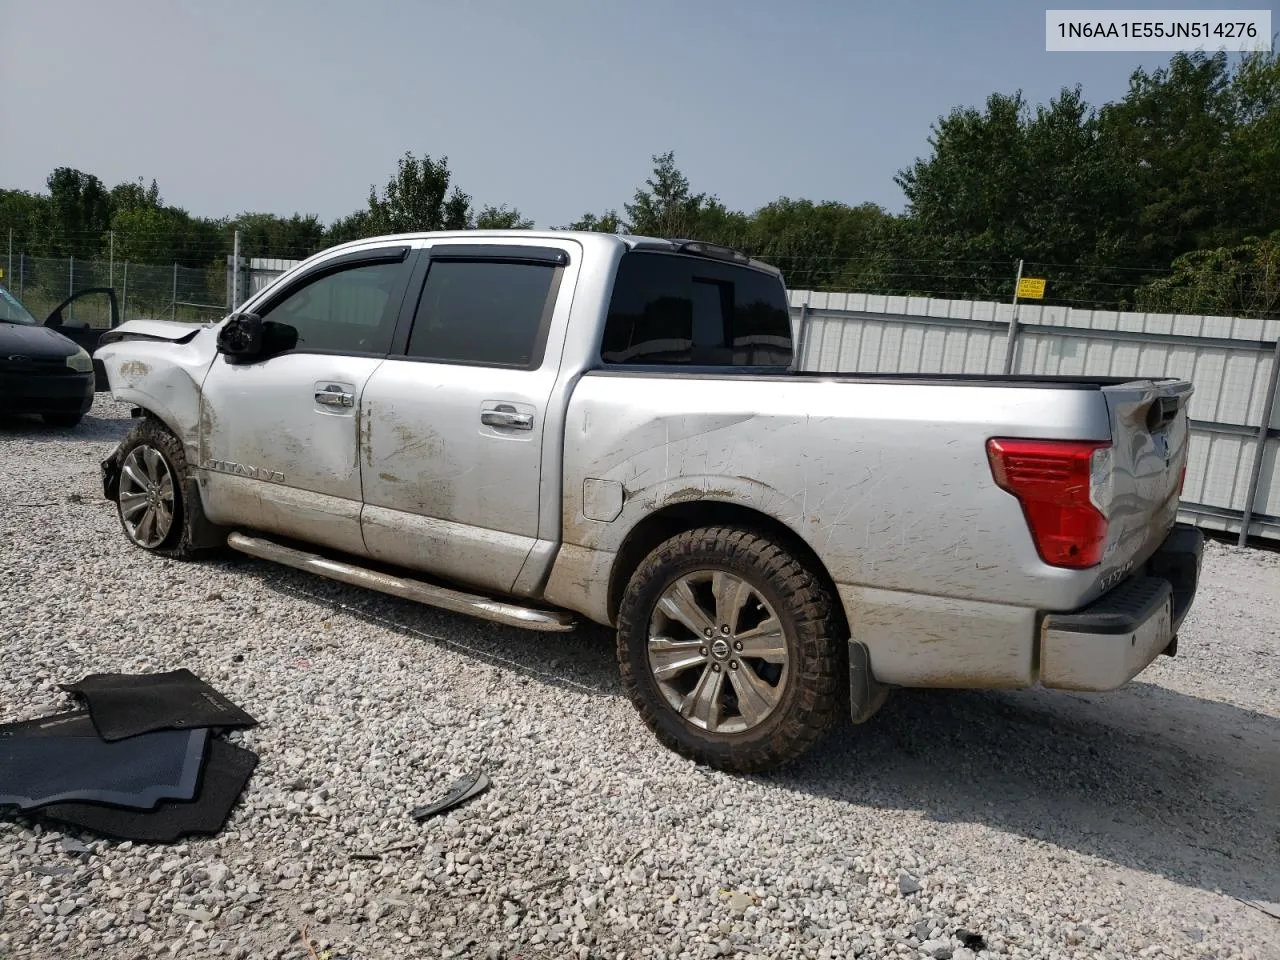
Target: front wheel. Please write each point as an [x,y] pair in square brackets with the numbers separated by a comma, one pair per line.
[149,500]
[730,650]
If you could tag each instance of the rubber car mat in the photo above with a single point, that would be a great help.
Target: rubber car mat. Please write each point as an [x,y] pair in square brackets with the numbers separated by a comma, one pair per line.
[127,704]
[61,758]
[226,774]
[462,790]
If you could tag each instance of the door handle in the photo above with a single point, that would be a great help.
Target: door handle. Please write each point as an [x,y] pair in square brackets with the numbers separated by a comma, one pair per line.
[334,396]
[505,415]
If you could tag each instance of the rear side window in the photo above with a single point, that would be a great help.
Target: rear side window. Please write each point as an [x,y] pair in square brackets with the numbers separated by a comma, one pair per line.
[669,309]
[484,312]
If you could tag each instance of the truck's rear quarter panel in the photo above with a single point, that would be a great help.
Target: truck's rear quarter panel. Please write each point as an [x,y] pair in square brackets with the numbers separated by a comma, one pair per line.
[889,483]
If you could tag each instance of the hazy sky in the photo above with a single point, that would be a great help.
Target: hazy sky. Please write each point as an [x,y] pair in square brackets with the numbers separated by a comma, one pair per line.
[554,106]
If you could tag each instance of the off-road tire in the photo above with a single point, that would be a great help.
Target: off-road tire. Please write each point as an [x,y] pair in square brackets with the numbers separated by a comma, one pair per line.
[815,693]
[152,433]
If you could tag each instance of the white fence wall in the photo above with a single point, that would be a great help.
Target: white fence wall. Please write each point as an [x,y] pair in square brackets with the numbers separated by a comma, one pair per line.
[1233,362]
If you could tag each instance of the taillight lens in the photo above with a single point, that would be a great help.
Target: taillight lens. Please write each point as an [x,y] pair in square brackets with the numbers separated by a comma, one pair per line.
[1064,487]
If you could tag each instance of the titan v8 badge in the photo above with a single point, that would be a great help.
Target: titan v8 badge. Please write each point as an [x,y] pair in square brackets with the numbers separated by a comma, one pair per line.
[242,470]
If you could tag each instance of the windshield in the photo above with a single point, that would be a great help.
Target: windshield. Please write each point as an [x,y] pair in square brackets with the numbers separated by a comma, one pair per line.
[12,310]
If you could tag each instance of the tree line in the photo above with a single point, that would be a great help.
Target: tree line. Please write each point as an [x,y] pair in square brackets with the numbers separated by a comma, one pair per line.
[1167,199]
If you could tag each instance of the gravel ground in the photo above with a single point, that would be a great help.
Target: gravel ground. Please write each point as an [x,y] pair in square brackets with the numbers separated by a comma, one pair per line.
[1131,824]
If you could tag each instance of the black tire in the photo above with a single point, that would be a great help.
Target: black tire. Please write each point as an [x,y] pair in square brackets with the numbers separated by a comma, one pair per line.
[813,688]
[62,420]
[149,433]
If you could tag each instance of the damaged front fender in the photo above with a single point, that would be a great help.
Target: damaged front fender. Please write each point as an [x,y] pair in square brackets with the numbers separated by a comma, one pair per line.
[162,375]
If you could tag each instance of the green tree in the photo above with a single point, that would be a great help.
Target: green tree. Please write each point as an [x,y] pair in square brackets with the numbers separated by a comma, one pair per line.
[79,213]
[668,207]
[500,218]
[268,235]
[1008,183]
[607,222]
[135,196]
[1173,133]
[354,226]
[1255,93]
[169,235]
[1226,281]
[27,216]
[417,198]
[812,243]
[146,234]
[889,262]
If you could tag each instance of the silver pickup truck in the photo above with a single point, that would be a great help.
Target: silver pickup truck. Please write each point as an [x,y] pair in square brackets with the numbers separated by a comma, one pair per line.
[535,427]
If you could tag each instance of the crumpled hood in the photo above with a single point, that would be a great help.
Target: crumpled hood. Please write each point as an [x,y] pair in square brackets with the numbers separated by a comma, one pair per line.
[37,343]
[173,331]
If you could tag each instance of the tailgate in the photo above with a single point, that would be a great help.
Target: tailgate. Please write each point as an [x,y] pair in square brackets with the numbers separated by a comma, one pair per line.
[1149,442]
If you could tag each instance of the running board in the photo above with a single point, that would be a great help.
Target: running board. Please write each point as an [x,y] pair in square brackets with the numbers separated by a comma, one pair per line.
[511,614]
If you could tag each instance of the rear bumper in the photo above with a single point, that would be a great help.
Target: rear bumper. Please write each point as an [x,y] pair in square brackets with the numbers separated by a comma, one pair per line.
[1106,644]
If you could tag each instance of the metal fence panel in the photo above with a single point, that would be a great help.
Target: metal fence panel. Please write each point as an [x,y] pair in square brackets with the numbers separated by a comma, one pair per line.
[160,292]
[264,270]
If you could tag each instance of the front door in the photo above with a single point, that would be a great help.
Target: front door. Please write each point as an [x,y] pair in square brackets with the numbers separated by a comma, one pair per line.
[457,417]
[280,436]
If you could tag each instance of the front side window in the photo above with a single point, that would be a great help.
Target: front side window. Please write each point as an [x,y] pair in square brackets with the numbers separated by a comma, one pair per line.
[484,312]
[348,311]
[670,309]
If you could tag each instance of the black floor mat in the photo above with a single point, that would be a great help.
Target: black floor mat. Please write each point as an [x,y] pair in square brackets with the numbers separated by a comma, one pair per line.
[226,773]
[127,704]
[61,758]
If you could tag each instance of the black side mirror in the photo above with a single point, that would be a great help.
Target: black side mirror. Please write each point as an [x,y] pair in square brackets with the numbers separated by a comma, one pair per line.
[241,337]
[246,337]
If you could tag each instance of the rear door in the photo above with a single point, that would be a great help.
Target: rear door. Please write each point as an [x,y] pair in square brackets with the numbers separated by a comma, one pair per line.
[280,437]
[457,418]
[1149,446]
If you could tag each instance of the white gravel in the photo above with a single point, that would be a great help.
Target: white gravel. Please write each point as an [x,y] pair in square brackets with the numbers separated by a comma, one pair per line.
[1131,824]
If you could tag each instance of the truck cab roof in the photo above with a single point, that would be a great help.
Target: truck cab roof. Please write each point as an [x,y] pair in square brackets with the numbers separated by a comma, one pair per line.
[676,245]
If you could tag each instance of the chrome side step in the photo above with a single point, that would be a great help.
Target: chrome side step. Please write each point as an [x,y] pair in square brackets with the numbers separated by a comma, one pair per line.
[511,614]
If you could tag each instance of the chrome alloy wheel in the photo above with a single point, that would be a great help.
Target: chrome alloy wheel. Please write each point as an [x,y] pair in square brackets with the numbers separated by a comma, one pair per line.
[146,497]
[710,627]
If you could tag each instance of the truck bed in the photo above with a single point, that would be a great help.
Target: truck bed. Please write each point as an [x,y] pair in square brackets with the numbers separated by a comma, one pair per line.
[1014,380]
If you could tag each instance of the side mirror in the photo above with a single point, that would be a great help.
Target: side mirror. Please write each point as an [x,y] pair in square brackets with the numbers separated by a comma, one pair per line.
[241,336]
[246,337]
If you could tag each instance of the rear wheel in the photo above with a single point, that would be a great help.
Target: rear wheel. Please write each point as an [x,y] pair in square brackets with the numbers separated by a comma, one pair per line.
[153,469]
[730,651]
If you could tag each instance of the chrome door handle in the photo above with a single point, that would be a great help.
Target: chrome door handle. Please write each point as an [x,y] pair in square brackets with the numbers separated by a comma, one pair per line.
[335,396]
[505,415]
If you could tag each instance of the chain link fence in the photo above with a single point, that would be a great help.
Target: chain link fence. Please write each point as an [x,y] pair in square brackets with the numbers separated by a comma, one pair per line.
[143,291]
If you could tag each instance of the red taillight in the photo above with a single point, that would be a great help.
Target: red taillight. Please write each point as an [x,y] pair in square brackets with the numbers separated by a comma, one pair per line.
[1055,483]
